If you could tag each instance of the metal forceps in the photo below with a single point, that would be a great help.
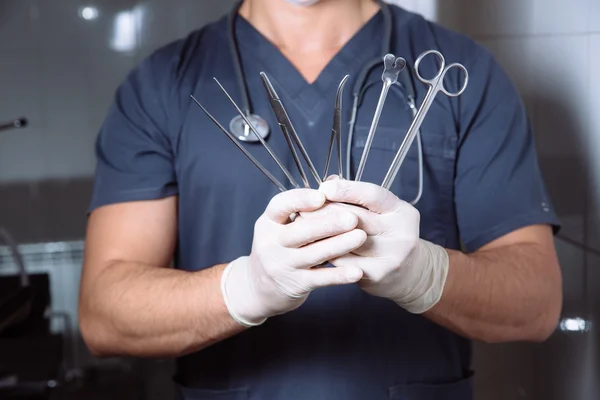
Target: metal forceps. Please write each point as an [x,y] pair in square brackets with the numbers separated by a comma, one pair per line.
[336,131]
[436,85]
[232,137]
[392,68]
[289,132]
[261,139]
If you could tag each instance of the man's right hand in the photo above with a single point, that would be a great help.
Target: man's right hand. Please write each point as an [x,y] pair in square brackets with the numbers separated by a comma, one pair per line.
[280,272]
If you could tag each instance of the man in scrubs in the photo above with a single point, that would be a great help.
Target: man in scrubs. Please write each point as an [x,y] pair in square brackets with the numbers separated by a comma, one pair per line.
[249,311]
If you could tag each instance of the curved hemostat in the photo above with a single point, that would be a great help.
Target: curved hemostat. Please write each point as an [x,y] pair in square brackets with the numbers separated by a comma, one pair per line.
[336,131]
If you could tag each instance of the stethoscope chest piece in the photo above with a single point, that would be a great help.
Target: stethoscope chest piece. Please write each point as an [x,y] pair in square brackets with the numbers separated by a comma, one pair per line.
[242,131]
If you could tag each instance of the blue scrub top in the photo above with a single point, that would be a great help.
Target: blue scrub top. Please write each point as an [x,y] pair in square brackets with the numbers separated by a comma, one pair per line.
[481,181]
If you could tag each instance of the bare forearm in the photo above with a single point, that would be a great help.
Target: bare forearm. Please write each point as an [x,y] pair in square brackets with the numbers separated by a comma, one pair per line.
[137,310]
[500,295]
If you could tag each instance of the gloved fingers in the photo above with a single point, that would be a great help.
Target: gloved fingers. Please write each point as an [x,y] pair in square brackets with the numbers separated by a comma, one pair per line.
[372,271]
[372,223]
[306,230]
[386,249]
[352,260]
[365,194]
[324,250]
[283,205]
[326,276]
[370,248]
[327,208]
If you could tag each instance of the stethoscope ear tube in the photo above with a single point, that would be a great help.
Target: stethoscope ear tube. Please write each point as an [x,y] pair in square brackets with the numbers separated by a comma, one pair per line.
[238,125]
[242,132]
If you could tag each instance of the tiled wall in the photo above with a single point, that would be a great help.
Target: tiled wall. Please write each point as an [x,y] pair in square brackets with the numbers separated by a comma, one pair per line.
[60,70]
[60,63]
[551,49]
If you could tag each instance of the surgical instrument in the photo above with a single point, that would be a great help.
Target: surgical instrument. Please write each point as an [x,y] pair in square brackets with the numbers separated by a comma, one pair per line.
[392,68]
[288,129]
[246,153]
[262,141]
[14,124]
[238,126]
[336,131]
[436,85]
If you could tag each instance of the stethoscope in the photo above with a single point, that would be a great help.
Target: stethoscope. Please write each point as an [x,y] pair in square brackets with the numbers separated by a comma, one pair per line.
[241,130]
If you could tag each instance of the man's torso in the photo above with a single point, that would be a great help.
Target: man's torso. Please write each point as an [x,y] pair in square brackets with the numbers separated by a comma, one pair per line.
[342,343]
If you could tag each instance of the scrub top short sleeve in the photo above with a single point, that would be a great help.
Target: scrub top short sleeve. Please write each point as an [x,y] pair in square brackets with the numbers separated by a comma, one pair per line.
[499,187]
[133,151]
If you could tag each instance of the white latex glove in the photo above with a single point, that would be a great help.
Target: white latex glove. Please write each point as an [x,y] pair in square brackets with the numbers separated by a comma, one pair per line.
[396,263]
[278,275]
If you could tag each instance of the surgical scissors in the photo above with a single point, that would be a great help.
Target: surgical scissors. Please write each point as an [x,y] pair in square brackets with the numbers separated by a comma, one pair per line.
[436,85]
[336,131]
[392,68]
[289,132]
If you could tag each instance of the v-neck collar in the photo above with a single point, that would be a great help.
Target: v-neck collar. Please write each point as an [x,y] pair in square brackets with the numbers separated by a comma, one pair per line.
[364,45]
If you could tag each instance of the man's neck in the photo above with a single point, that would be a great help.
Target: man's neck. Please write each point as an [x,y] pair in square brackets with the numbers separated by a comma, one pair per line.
[309,36]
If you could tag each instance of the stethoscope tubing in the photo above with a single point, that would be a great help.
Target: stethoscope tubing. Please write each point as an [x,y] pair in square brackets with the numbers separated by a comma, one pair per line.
[359,87]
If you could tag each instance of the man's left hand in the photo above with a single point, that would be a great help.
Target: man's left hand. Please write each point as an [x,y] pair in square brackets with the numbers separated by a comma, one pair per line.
[397,264]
